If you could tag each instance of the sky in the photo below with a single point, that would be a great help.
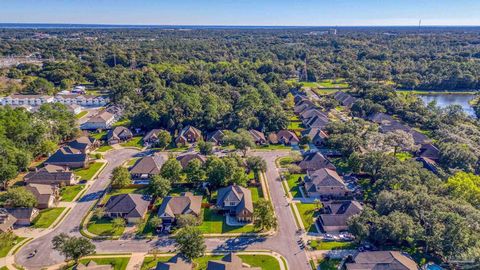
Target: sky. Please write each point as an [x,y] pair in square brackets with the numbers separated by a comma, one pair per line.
[243,12]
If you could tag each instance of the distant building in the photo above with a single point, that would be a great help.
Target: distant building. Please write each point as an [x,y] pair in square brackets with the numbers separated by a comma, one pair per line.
[32,100]
[188,134]
[172,207]
[119,135]
[258,137]
[103,120]
[229,262]
[287,137]
[372,260]
[216,137]
[236,201]
[152,136]
[316,135]
[74,108]
[344,99]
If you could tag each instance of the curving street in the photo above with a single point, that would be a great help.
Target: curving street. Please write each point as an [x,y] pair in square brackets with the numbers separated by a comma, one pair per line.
[283,242]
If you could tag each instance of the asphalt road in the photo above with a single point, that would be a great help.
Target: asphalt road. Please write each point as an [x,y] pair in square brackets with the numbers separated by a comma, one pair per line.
[283,242]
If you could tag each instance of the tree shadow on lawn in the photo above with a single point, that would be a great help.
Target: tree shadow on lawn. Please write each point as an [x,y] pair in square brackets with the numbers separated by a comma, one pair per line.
[239,243]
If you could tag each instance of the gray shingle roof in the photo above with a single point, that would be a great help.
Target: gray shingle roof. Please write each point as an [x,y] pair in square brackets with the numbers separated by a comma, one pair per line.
[132,205]
[229,262]
[67,154]
[179,205]
[148,165]
[235,192]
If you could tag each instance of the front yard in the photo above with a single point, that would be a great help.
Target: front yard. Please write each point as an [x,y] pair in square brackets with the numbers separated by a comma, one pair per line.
[308,215]
[68,193]
[104,148]
[4,251]
[257,193]
[47,217]
[215,223]
[103,227]
[331,245]
[294,184]
[134,142]
[88,173]
[118,263]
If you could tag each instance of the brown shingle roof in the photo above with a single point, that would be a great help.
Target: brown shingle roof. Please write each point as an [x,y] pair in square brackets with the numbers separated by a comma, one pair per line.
[382,260]
[179,205]
[132,205]
[244,195]
[148,165]
[229,262]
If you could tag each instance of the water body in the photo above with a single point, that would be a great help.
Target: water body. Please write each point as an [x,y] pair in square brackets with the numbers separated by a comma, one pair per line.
[444,100]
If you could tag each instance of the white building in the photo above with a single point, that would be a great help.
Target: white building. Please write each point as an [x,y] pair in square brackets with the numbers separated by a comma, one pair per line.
[32,100]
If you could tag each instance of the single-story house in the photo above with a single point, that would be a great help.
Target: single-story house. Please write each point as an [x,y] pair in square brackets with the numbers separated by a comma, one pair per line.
[185,204]
[316,135]
[287,137]
[229,262]
[102,120]
[344,99]
[177,262]
[70,157]
[74,108]
[258,137]
[315,161]
[184,159]
[24,215]
[395,260]
[85,144]
[334,215]
[118,135]
[188,134]
[6,221]
[312,112]
[316,122]
[325,183]
[146,167]
[46,194]
[152,136]
[429,150]
[51,175]
[236,201]
[132,207]
[216,137]
[91,265]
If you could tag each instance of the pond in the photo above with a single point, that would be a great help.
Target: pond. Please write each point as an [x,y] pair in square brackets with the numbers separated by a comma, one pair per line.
[443,100]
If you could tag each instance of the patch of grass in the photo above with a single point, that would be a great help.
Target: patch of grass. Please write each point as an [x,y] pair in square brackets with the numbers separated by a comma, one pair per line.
[88,173]
[338,83]
[257,193]
[293,183]
[329,264]
[270,147]
[100,135]
[263,261]
[118,263]
[331,245]
[149,262]
[104,148]
[294,118]
[144,228]
[283,161]
[402,156]
[308,215]
[132,162]
[134,142]
[47,217]
[69,193]
[81,114]
[103,227]
[4,251]
[123,122]
[295,125]
[215,223]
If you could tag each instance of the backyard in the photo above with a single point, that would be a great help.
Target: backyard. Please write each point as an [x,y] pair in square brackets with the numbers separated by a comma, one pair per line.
[47,217]
[88,173]
[308,215]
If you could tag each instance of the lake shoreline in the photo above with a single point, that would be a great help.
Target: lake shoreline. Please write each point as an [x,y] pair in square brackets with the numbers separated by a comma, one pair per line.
[439,92]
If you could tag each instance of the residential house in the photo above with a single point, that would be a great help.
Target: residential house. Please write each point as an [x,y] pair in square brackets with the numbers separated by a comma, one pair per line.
[315,161]
[184,159]
[74,108]
[272,138]
[6,221]
[119,135]
[299,97]
[173,206]
[344,99]
[316,135]
[316,122]
[325,183]
[92,265]
[258,137]
[51,175]
[85,144]
[309,113]
[334,215]
[152,136]
[418,137]
[32,100]
[188,134]
[429,150]
[303,106]
[287,137]
[81,99]
[46,194]
[132,207]
[236,201]
[216,137]
[24,215]
[229,262]
[70,157]
[102,120]
[371,260]
[147,167]
[177,262]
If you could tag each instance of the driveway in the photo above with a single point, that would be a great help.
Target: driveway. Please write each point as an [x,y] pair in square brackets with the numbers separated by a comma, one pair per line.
[283,242]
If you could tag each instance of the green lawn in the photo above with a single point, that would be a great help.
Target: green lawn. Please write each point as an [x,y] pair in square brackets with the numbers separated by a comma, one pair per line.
[294,184]
[402,156]
[332,245]
[134,142]
[69,193]
[329,264]
[144,228]
[266,262]
[47,217]
[119,263]
[214,223]
[100,135]
[123,122]
[308,215]
[104,148]
[88,173]
[339,83]
[295,125]
[257,193]
[103,227]
[4,251]
[269,147]
[132,162]
[81,114]
[118,191]
[284,161]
